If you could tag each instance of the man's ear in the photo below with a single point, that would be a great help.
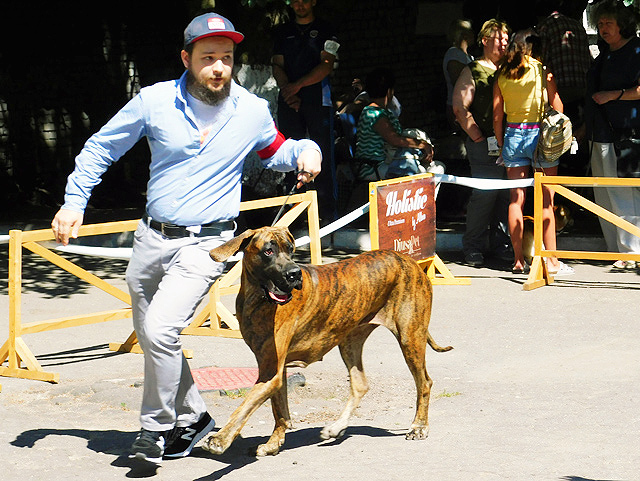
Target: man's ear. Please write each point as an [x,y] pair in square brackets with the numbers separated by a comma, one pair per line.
[229,248]
[184,55]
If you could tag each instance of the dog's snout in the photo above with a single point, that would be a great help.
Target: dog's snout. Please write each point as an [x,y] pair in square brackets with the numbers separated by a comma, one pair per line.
[293,275]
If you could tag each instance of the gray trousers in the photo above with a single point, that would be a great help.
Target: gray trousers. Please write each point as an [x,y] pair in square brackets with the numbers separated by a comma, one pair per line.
[622,201]
[167,279]
[487,210]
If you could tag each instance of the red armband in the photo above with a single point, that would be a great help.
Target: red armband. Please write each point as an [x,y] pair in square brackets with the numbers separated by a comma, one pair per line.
[271,149]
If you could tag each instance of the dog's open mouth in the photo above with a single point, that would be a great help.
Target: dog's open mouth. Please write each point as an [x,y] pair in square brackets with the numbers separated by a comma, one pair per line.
[276,296]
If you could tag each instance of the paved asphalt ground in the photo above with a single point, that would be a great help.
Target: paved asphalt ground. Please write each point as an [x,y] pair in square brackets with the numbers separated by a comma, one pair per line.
[541,385]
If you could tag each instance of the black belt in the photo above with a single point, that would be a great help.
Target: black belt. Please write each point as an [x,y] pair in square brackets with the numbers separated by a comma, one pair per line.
[173,231]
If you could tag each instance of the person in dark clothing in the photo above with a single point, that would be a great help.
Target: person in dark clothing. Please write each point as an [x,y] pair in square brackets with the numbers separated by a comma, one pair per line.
[473,107]
[304,52]
[613,103]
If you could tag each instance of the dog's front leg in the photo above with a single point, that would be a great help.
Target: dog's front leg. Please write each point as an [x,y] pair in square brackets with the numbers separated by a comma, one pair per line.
[219,442]
[280,408]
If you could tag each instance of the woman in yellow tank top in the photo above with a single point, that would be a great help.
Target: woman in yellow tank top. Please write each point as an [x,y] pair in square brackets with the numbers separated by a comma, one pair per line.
[518,94]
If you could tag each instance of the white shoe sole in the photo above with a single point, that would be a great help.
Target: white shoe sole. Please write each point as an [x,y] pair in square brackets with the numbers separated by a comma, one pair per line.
[144,457]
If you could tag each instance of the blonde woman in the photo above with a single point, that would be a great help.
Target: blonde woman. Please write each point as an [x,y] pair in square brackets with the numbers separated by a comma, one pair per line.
[473,108]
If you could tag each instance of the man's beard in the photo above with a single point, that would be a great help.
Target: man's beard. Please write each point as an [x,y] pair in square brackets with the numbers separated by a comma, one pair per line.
[204,94]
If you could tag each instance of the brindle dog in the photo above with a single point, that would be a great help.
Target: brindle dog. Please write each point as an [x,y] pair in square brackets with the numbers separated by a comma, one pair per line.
[292,315]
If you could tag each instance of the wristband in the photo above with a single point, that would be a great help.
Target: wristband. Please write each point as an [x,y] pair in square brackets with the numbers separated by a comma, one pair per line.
[621,94]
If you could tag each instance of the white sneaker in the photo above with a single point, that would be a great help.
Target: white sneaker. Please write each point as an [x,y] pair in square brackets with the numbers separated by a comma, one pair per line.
[561,271]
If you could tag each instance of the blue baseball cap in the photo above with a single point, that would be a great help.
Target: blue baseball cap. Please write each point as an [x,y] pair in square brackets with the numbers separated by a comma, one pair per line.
[210,25]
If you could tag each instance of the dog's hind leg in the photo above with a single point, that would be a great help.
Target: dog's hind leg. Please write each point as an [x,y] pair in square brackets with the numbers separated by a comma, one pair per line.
[351,352]
[420,425]
[280,408]
[413,343]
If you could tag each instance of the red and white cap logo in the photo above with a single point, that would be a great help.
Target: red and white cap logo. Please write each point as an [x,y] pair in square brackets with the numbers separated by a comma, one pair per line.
[216,23]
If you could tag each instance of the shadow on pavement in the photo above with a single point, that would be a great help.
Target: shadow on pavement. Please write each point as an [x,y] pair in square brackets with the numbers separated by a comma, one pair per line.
[137,468]
[110,442]
[578,478]
[105,442]
[73,356]
[242,452]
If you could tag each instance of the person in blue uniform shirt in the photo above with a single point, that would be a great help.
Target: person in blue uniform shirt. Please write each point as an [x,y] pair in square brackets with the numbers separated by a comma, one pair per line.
[304,53]
[199,129]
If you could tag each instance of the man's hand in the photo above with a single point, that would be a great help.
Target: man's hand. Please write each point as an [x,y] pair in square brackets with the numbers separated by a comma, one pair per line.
[294,102]
[605,96]
[290,91]
[309,166]
[66,224]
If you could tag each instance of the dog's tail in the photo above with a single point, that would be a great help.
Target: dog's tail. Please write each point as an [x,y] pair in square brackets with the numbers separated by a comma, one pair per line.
[434,345]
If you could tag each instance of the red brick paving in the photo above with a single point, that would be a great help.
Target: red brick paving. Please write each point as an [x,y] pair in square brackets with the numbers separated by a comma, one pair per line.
[227,378]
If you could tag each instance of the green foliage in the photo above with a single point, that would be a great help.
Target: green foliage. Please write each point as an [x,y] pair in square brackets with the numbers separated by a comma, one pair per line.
[235,393]
[445,393]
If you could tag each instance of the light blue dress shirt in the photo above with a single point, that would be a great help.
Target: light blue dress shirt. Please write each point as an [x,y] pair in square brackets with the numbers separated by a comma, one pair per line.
[190,183]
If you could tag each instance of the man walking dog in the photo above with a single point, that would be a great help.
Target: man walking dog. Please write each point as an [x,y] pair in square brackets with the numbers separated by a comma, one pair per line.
[199,129]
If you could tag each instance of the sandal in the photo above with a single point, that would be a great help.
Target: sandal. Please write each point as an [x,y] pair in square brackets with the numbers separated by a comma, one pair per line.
[562,270]
[624,265]
[520,270]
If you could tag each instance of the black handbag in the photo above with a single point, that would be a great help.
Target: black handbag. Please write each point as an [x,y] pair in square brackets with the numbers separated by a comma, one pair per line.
[626,143]
[627,148]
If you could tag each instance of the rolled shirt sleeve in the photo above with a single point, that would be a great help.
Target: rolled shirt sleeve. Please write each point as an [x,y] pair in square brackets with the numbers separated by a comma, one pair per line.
[191,181]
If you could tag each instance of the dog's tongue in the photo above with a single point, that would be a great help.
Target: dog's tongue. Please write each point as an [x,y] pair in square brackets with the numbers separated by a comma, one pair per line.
[278,298]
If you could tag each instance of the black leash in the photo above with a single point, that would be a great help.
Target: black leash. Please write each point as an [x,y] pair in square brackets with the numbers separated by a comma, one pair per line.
[291,192]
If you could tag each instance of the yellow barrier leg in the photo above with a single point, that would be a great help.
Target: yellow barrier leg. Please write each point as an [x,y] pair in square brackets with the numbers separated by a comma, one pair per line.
[538,275]
[4,352]
[33,368]
[132,345]
[433,264]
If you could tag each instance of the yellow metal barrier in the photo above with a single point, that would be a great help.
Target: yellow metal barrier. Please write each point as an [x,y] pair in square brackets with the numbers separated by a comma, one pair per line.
[21,363]
[539,275]
[215,310]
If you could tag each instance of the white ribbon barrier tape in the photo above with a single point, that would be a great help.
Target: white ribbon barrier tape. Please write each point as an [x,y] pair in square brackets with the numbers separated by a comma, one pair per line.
[335,225]
[125,252]
[106,252]
[483,184]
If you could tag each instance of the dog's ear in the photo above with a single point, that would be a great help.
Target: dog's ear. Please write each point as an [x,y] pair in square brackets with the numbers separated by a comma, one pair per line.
[291,239]
[229,248]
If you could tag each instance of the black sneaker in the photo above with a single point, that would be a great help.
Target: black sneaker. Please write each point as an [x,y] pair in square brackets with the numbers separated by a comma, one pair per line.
[148,446]
[474,259]
[181,440]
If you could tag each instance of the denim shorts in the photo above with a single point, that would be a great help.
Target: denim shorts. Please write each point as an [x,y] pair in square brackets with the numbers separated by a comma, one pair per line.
[519,146]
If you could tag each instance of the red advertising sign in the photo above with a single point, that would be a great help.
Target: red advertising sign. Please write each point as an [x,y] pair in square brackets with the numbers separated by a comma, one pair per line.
[407,217]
